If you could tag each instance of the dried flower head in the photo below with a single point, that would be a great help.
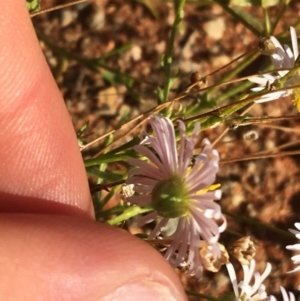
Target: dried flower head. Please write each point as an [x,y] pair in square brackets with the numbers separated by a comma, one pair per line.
[243,250]
[175,189]
[210,261]
[266,46]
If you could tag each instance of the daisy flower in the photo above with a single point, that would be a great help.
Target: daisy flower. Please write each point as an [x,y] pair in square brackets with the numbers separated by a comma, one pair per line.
[286,296]
[282,58]
[244,291]
[296,247]
[180,193]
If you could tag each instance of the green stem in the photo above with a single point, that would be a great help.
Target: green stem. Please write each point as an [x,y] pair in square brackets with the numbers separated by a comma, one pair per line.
[126,146]
[169,53]
[251,221]
[92,64]
[267,22]
[109,158]
[210,298]
[235,71]
[235,13]
[233,91]
[279,15]
[127,214]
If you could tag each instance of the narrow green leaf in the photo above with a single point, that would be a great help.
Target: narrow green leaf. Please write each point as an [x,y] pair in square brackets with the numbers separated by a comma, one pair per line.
[109,158]
[162,60]
[263,3]
[33,5]
[82,129]
[127,214]
[245,18]
[116,51]
[160,94]
[107,176]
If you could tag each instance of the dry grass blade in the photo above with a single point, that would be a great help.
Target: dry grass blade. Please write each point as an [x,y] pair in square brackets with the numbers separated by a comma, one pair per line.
[44,11]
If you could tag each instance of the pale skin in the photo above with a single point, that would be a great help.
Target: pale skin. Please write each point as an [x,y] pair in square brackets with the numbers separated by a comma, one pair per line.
[51,247]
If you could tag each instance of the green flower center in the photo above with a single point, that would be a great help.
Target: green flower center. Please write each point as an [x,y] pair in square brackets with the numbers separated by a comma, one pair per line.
[170,198]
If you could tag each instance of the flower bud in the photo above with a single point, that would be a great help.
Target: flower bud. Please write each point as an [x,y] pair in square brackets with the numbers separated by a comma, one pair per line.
[266,46]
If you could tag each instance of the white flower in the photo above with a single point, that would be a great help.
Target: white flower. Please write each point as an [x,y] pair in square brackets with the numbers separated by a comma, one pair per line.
[177,190]
[285,296]
[296,247]
[244,290]
[282,58]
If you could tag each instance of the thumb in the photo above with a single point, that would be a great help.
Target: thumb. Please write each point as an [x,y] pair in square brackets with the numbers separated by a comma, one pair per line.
[48,257]
[39,155]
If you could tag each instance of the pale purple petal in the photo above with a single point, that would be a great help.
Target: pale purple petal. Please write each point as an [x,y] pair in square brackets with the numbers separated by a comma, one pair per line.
[140,200]
[159,227]
[142,180]
[148,218]
[151,156]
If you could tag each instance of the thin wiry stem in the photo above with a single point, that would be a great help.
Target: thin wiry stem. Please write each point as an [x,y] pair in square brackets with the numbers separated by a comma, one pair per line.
[169,53]
[44,11]
[258,224]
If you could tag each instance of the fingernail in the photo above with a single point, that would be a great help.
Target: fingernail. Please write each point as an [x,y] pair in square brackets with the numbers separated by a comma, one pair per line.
[145,290]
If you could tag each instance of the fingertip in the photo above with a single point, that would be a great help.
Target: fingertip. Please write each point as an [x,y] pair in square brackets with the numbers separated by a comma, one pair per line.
[39,157]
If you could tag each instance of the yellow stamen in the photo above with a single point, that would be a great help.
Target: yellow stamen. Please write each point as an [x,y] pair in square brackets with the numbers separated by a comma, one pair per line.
[209,188]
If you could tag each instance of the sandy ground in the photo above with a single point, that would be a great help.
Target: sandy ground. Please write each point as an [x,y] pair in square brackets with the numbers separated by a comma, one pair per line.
[265,189]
